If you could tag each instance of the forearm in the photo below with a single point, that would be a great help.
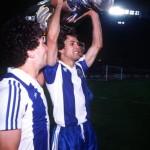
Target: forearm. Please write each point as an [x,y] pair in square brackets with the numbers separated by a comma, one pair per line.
[97,40]
[96,44]
[53,32]
[54,24]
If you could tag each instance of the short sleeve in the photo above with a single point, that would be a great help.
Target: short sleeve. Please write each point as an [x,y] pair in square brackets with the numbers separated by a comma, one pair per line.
[12,104]
[83,64]
[50,73]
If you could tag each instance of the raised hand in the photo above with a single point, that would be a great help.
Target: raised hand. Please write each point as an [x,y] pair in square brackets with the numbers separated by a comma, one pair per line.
[91,12]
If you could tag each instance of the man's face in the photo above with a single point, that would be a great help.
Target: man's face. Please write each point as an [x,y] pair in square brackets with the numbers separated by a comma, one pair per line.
[72,48]
[41,52]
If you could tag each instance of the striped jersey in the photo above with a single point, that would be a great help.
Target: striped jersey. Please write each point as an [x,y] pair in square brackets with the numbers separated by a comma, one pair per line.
[23,106]
[69,92]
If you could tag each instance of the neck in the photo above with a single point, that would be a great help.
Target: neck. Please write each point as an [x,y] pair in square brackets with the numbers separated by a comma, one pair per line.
[30,70]
[68,62]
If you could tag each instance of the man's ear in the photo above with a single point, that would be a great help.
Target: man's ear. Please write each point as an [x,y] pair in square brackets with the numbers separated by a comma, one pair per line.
[30,54]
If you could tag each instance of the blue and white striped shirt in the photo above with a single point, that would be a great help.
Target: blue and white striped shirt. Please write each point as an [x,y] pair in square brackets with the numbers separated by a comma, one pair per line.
[23,106]
[69,92]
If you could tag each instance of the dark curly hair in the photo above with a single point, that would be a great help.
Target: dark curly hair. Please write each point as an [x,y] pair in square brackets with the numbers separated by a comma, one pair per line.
[17,37]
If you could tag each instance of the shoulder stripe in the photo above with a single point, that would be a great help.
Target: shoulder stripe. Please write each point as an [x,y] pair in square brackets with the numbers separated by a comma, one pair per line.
[18,106]
[13,105]
[8,106]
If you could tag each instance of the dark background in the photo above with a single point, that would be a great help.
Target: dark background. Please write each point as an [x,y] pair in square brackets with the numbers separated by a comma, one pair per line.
[124,45]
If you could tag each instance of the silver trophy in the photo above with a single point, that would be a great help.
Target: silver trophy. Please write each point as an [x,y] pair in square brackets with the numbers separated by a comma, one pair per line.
[42,10]
[78,7]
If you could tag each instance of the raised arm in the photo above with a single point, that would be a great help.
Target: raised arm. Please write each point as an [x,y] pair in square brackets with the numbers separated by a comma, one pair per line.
[53,29]
[97,41]
[53,32]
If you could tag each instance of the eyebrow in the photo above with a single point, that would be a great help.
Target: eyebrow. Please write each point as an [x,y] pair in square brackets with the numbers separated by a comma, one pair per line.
[73,41]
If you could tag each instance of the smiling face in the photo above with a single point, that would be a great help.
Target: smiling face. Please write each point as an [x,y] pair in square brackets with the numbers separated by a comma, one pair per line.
[72,49]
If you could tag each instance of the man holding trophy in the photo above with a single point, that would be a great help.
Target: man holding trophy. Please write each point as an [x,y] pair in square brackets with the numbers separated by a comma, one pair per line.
[65,75]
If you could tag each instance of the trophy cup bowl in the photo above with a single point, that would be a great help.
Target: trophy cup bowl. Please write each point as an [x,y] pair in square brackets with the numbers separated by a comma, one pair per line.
[75,8]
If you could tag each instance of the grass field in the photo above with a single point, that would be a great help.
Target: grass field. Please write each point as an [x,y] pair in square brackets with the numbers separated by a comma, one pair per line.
[121,114]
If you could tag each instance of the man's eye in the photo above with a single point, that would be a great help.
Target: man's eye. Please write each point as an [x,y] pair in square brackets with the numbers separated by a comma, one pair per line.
[71,43]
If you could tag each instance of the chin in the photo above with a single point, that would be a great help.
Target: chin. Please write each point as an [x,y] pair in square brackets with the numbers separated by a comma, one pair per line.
[77,58]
